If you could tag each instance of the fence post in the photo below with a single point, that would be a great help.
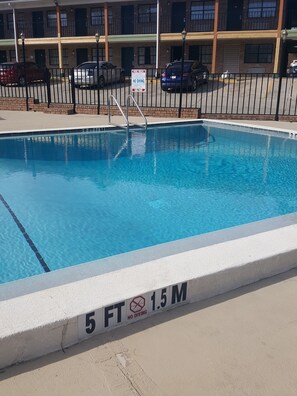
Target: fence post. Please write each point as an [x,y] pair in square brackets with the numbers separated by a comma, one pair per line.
[280,78]
[73,91]
[48,87]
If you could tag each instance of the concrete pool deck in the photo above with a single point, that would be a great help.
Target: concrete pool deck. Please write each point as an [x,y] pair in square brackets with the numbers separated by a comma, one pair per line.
[242,342]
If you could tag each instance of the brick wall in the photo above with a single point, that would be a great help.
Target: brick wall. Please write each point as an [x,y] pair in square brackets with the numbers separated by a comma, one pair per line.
[20,105]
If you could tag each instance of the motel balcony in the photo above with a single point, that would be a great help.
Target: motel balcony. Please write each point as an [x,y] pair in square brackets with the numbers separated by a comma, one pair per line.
[120,26]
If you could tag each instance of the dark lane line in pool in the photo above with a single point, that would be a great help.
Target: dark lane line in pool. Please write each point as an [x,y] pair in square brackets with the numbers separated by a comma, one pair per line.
[26,236]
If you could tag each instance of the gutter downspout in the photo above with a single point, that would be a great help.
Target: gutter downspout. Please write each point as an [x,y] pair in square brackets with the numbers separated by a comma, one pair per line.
[157,38]
[106,33]
[15,36]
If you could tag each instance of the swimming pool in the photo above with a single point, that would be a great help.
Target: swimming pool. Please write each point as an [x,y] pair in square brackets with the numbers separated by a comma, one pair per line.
[70,198]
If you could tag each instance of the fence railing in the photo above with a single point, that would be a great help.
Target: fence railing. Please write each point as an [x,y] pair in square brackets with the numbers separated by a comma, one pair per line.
[247,94]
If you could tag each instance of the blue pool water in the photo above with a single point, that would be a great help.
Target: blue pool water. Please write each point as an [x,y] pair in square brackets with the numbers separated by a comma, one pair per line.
[71,198]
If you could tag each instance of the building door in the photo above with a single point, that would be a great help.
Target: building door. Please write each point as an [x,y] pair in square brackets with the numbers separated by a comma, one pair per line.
[81,55]
[37,24]
[127,13]
[3,57]
[81,22]
[2,36]
[127,59]
[231,58]
[234,15]
[40,57]
[178,17]
[176,53]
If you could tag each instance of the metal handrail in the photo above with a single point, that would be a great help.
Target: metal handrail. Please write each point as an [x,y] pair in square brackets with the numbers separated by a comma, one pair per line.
[119,107]
[141,113]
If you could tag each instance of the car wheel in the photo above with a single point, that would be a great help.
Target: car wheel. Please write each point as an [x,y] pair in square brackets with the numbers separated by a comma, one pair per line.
[122,77]
[101,82]
[22,81]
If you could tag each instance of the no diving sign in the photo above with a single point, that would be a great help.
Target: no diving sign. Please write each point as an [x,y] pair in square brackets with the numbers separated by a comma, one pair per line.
[132,309]
[138,80]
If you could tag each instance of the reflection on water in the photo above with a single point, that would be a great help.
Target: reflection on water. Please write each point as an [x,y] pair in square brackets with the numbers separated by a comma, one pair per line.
[100,146]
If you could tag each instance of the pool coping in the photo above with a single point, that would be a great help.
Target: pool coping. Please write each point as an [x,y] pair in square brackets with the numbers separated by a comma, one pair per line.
[106,127]
[79,302]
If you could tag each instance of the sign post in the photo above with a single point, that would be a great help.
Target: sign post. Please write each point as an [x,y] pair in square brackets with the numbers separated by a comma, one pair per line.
[138,80]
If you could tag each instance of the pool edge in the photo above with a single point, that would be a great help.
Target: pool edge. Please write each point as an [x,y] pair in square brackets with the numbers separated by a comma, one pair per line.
[53,319]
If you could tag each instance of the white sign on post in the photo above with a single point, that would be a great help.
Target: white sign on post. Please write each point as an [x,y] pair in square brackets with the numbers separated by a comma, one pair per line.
[138,79]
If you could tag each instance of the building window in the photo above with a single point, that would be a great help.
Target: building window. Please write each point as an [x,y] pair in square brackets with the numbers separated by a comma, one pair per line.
[10,21]
[12,57]
[51,19]
[97,16]
[202,53]
[202,10]
[147,56]
[53,57]
[21,21]
[258,53]
[65,56]
[262,8]
[63,18]
[147,13]
[101,54]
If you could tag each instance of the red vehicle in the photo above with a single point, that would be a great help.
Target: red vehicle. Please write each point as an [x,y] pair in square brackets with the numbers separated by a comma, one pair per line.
[15,72]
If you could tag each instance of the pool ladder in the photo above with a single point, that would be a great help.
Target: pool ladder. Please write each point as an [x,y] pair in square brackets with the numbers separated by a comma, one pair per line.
[126,116]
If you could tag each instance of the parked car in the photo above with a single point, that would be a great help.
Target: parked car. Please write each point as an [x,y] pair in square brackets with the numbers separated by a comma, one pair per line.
[85,74]
[194,74]
[14,73]
[292,72]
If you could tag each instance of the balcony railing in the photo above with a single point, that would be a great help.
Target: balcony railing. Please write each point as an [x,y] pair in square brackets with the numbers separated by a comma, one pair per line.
[118,26]
[256,21]
[196,25]
[6,33]
[252,21]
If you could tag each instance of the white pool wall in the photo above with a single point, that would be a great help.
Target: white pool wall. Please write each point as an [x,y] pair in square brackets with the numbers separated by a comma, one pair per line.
[37,323]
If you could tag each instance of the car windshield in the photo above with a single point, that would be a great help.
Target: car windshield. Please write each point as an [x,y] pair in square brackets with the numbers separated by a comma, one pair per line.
[6,66]
[177,66]
[87,66]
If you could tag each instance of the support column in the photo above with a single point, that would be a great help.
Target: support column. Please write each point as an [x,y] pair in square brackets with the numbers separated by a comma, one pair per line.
[106,31]
[59,35]
[215,38]
[277,54]
[157,37]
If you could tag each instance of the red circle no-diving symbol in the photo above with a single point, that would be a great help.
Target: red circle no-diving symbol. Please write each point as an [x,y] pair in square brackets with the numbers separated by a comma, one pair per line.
[137,304]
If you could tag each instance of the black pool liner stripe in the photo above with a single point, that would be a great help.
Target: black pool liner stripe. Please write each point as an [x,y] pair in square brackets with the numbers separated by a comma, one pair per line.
[26,236]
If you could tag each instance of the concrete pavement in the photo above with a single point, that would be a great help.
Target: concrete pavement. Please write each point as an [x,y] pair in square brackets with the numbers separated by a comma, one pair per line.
[241,343]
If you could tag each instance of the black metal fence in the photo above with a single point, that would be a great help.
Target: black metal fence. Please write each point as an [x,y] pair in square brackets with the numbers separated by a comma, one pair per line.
[247,94]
